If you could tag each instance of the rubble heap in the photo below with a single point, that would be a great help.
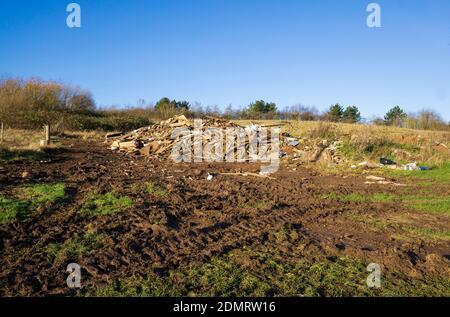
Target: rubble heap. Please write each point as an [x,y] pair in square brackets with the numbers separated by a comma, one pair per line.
[156,141]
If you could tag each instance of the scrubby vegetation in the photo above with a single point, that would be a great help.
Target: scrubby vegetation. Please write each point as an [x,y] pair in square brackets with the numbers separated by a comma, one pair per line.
[29,104]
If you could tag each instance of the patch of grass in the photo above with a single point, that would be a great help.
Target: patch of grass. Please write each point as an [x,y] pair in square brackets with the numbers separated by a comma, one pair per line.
[432,204]
[428,232]
[135,286]
[73,248]
[356,197]
[272,274]
[41,194]
[106,204]
[155,189]
[383,198]
[439,174]
[425,287]
[11,209]
[29,199]
[219,277]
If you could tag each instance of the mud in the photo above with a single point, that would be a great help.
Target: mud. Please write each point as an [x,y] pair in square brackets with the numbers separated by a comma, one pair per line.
[197,219]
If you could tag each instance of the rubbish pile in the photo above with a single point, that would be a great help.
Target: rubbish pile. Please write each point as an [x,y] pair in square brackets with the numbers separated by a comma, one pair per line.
[406,167]
[157,141]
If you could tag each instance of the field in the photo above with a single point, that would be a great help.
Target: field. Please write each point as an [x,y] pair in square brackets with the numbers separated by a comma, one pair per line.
[149,227]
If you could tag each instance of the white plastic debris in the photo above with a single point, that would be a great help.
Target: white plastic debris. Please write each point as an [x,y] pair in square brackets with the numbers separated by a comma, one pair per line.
[210,177]
[411,167]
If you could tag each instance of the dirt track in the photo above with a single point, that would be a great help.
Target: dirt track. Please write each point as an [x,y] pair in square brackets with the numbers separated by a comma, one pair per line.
[198,219]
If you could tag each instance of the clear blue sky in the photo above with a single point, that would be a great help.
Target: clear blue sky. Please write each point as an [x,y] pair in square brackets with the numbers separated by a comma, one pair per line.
[314,52]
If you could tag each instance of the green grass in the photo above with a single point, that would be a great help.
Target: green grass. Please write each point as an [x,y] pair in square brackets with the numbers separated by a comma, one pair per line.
[356,197]
[155,189]
[106,204]
[430,203]
[271,274]
[439,174]
[219,277]
[40,194]
[429,232]
[224,277]
[29,199]
[73,248]
[11,209]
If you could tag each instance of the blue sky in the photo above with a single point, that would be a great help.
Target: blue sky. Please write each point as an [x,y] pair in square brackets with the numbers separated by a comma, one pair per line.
[220,52]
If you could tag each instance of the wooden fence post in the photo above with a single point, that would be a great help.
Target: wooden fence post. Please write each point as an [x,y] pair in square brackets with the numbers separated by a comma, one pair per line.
[46,140]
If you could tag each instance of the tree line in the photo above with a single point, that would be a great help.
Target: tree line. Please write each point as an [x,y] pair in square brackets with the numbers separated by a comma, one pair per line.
[32,103]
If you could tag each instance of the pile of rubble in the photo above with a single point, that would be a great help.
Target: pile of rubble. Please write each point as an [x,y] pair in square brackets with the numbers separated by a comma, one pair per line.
[157,141]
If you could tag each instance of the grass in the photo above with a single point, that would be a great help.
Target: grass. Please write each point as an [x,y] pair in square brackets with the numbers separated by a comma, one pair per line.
[155,189]
[374,148]
[430,203]
[40,194]
[439,174]
[224,277]
[271,274]
[429,232]
[29,199]
[107,204]
[383,224]
[73,248]
[356,197]
[12,209]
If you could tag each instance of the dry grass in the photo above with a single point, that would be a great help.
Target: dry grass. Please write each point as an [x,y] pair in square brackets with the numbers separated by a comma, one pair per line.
[22,139]
[370,141]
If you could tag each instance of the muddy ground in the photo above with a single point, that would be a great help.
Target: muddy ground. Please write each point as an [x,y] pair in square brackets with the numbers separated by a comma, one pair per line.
[199,219]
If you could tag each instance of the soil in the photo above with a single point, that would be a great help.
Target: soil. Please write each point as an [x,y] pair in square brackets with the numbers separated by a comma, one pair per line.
[197,219]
